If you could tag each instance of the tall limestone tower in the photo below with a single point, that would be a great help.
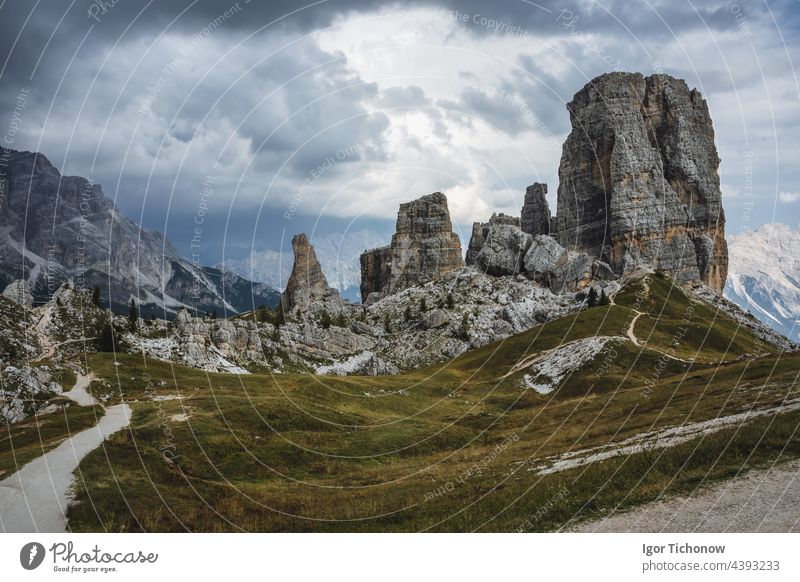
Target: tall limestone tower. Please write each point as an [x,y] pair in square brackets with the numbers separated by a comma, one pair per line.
[638,181]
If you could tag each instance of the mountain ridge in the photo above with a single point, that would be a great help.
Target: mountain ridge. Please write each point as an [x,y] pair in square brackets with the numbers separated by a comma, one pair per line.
[57,228]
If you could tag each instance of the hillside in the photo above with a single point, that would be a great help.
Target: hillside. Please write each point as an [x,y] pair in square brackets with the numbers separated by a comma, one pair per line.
[679,392]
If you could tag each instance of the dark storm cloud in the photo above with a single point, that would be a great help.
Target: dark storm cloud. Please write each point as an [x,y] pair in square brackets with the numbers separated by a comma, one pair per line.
[287,105]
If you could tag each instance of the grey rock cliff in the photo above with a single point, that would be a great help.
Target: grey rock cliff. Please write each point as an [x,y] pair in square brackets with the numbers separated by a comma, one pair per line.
[307,283]
[504,250]
[70,230]
[550,264]
[535,216]
[423,247]
[480,231]
[638,181]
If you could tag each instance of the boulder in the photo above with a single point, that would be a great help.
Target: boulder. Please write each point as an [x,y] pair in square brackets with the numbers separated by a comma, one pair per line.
[504,250]
[435,318]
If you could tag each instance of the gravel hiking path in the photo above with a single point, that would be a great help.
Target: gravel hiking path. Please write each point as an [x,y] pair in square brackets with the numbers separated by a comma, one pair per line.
[762,500]
[35,498]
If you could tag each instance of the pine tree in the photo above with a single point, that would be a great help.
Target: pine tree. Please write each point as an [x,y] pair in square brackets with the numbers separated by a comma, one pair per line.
[133,316]
[96,296]
[591,299]
[341,320]
[450,301]
[407,313]
[280,316]
[107,341]
[423,305]
[387,324]
[603,299]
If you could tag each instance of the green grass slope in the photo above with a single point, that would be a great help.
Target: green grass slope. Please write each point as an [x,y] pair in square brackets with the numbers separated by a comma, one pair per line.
[447,448]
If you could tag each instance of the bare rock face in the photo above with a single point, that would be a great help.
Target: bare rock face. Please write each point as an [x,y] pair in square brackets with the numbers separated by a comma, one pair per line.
[535,210]
[504,250]
[55,228]
[480,231]
[20,293]
[638,181]
[423,247]
[307,283]
[550,264]
[376,270]
[217,345]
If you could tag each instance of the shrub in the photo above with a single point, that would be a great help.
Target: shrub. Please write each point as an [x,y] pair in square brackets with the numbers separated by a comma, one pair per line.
[325,320]
[591,298]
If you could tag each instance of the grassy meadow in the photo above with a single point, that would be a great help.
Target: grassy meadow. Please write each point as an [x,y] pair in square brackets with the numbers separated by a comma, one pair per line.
[446,448]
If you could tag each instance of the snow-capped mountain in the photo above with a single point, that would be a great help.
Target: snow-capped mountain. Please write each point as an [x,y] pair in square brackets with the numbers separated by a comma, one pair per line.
[337,253]
[764,276]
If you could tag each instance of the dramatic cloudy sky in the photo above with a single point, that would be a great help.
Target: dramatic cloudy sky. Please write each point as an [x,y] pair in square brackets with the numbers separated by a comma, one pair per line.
[323,117]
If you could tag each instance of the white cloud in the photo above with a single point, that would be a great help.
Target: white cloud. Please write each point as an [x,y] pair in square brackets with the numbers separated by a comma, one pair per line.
[789,197]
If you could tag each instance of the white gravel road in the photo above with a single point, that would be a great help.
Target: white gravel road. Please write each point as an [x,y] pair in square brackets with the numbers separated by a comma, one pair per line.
[35,498]
[764,500]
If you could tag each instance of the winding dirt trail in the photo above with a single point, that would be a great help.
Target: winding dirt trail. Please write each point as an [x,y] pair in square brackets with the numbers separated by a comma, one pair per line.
[35,498]
[631,335]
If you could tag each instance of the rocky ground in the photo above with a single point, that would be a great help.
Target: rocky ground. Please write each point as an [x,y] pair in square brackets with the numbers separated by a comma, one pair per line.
[418,326]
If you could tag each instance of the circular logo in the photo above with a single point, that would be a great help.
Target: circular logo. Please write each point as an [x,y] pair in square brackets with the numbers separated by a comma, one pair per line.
[31,555]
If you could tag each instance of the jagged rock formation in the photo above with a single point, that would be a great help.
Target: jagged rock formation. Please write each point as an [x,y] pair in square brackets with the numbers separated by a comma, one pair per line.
[504,250]
[550,264]
[423,247]
[465,309]
[638,181]
[535,216]
[307,283]
[480,230]
[72,231]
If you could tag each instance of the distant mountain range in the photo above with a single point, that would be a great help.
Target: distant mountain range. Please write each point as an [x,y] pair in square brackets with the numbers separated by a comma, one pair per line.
[764,276]
[338,254]
[55,228]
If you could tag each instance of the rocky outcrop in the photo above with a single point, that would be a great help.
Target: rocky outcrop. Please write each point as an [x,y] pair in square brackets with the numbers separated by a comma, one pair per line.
[480,230]
[307,283]
[218,345]
[550,264]
[20,293]
[376,270]
[423,247]
[638,181]
[535,216]
[504,250]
